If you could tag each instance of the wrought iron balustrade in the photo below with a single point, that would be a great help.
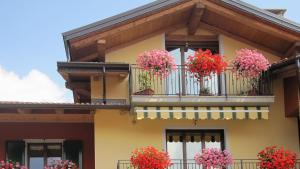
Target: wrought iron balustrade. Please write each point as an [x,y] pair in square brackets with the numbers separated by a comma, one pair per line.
[191,164]
[182,82]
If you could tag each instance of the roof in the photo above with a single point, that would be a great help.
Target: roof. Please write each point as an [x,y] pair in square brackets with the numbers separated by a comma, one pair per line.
[285,63]
[161,4]
[54,105]
[261,13]
[105,23]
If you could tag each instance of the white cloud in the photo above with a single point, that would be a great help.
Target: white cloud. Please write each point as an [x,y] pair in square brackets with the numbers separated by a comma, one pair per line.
[33,87]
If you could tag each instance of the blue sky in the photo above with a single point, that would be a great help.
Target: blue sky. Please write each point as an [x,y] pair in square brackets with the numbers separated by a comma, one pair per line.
[31,30]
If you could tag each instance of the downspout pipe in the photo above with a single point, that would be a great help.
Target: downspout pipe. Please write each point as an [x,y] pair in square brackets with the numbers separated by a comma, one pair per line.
[298,76]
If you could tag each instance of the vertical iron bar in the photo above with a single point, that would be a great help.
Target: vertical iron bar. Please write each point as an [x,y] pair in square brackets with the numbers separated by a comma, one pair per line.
[183,80]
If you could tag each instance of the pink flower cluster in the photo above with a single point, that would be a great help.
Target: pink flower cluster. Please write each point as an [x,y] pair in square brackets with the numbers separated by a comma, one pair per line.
[158,62]
[11,165]
[214,157]
[250,63]
[62,165]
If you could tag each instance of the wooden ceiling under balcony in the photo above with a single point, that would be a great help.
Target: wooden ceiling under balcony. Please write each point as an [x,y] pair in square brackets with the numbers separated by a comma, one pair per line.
[211,15]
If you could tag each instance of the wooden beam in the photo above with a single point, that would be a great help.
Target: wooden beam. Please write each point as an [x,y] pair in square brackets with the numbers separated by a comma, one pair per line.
[293,50]
[83,92]
[86,41]
[241,39]
[24,111]
[57,118]
[59,111]
[261,25]
[77,85]
[101,47]
[161,31]
[192,38]
[87,58]
[195,18]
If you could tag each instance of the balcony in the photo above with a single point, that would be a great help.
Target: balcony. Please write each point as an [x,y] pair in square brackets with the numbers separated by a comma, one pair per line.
[181,87]
[190,164]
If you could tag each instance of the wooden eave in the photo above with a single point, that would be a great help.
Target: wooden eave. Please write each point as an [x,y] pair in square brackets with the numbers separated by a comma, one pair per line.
[78,74]
[239,20]
[285,65]
[52,112]
[88,69]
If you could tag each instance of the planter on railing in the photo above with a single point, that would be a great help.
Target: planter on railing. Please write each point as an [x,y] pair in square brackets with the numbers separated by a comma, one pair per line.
[227,83]
[191,164]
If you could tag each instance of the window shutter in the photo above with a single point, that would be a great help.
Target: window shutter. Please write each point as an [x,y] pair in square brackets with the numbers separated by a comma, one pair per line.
[15,151]
[73,151]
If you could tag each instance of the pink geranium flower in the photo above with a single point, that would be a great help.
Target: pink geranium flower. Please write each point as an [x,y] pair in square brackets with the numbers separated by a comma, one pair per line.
[214,157]
[158,62]
[250,63]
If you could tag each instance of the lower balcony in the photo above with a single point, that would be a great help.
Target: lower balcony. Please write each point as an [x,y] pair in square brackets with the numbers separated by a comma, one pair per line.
[191,164]
[182,88]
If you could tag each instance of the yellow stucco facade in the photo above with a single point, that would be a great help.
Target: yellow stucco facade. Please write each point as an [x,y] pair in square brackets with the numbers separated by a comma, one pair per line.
[116,135]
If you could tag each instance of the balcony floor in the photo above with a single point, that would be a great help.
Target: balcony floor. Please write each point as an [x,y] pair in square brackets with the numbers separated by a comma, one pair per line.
[163,100]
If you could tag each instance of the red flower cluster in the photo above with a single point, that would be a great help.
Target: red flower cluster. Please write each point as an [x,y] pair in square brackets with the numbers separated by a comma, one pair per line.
[150,158]
[204,63]
[11,165]
[275,158]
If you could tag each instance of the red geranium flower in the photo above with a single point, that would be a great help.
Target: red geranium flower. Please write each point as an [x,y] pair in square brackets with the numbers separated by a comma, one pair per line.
[204,64]
[150,158]
[273,157]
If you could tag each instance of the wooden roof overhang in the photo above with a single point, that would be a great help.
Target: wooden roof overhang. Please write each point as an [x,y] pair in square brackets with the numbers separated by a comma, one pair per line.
[286,65]
[52,112]
[236,19]
[78,74]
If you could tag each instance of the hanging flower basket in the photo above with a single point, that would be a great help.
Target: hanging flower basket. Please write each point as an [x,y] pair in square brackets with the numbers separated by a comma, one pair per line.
[250,64]
[273,157]
[150,158]
[159,63]
[213,158]
[204,64]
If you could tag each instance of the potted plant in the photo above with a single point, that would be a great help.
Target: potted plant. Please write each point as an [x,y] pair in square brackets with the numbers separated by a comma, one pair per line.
[204,64]
[145,84]
[11,165]
[213,158]
[60,164]
[158,63]
[250,64]
[273,157]
[150,158]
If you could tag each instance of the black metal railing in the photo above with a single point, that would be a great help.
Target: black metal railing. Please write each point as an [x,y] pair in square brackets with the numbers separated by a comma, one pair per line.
[191,164]
[182,82]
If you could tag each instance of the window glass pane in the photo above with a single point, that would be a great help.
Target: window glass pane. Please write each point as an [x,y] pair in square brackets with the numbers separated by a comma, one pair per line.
[192,148]
[175,150]
[213,145]
[36,162]
[36,150]
[54,150]
[52,160]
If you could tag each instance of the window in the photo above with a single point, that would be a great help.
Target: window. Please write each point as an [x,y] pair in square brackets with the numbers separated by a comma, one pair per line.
[41,154]
[187,85]
[37,154]
[184,144]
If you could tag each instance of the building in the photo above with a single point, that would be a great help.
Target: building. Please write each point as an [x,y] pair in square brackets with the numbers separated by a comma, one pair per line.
[110,118]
